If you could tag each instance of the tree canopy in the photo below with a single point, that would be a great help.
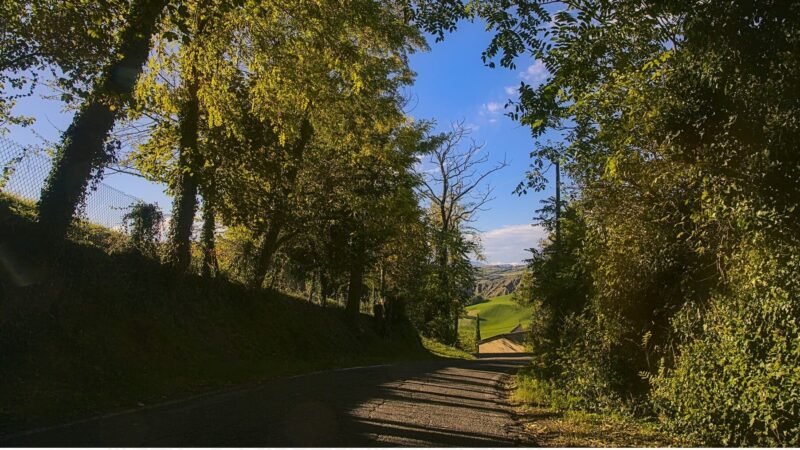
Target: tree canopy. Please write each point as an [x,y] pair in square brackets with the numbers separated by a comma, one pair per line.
[668,284]
[677,119]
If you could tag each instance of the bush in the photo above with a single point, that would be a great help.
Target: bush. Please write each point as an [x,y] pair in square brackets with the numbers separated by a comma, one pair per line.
[143,223]
[237,249]
[535,390]
[591,369]
[736,380]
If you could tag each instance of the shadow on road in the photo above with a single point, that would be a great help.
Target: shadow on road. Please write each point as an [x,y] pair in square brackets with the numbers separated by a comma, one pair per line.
[434,403]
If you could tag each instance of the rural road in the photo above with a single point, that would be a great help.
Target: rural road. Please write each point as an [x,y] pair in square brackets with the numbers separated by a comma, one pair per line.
[432,403]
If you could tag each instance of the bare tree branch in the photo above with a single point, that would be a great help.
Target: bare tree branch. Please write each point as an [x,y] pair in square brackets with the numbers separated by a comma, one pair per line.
[456,187]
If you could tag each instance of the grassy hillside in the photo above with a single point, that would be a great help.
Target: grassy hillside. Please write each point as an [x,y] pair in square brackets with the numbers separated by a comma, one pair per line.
[498,315]
[111,329]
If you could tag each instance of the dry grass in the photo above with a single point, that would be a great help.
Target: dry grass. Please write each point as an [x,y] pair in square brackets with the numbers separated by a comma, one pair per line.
[550,428]
[561,426]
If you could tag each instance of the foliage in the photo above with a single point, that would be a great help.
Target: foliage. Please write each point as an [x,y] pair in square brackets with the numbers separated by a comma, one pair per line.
[560,276]
[737,379]
[236,252]
[113,341]
[143,223]
[16,57]
[677,137]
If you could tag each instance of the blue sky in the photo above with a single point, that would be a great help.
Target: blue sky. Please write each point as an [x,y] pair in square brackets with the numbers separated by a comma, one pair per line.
[452,85]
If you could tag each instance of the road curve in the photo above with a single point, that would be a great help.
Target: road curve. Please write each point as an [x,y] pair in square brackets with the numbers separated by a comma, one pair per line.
[433,403]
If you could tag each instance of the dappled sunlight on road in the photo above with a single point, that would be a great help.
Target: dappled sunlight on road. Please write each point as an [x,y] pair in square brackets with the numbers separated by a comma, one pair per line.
[461,406]
[428,403]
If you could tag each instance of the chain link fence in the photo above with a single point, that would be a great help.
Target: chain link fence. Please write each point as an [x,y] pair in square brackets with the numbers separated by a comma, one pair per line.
[25,169]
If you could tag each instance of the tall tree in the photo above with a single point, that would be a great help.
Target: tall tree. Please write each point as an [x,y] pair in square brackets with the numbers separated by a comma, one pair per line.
[455,190]
[63,44]
[194,28]
[83,144]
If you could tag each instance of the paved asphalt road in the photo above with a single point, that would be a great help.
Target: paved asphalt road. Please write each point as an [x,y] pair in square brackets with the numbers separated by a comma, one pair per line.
[434,403]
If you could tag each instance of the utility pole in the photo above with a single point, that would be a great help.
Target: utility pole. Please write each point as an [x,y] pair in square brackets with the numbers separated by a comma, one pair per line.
[558,205]
[477,327]
[477,333]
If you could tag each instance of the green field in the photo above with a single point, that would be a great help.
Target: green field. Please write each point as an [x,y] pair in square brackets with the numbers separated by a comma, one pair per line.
[498,315]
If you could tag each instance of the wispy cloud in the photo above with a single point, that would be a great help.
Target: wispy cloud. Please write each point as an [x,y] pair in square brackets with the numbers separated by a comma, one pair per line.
[535,74]
[472,126]
[511,90]
[491,108]
[509,244]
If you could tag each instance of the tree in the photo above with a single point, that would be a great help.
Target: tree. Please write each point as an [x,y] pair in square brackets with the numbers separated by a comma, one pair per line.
[83,144]
[72,40]
[82,150]
[370,204]
[189,70]
[455,192]
[674,122]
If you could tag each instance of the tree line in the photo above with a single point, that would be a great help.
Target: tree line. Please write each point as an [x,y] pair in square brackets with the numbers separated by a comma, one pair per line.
[281,122]
[669,285]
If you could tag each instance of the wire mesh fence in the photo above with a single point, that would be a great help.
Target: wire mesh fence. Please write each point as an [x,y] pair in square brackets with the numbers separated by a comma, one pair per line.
[25,169]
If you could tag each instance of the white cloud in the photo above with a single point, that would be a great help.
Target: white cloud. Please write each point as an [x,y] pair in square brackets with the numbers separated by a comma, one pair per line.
[509,244]
[472,127]
[492,108]
[511,90]
[535,74]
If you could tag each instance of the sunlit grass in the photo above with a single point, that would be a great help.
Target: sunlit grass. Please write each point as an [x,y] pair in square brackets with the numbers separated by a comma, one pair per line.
[498,315]
[445,351]
[549,415]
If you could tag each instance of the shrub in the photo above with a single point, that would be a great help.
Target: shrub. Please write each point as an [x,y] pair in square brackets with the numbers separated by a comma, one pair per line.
[533,389]
[591,369]
[237,249]
[736,379]
[143,223]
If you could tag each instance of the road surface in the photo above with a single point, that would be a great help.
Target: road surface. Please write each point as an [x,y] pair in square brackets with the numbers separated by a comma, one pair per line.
[433,403]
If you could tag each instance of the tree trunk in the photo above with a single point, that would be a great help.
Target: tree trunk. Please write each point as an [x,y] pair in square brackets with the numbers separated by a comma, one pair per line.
[313,287]
[455,323]
[267,249]
[184,206]
[448,302]
[82,146]
[355,290]
[383,284]
[558,207]
[324,288]
[208,239]
[273,278]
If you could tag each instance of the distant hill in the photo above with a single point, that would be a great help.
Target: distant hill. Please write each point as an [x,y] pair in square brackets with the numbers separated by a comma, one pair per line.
[498,315]
[497,280]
